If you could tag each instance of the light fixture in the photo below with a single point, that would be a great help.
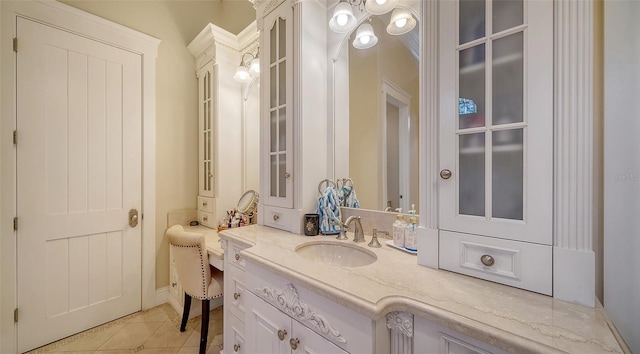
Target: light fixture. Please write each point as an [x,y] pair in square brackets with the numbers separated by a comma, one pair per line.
[343,20]
[380,7]
[401,22]
[248,69]
[365,38]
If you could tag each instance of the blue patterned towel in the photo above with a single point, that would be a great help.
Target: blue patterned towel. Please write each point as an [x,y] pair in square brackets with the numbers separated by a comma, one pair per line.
[348,197]
[329,211]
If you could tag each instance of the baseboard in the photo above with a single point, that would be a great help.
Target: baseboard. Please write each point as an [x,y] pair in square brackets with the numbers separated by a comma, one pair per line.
[574,276]
[162,295]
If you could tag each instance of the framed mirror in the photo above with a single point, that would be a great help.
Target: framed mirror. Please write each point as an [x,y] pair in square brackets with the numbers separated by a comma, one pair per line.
[376,112]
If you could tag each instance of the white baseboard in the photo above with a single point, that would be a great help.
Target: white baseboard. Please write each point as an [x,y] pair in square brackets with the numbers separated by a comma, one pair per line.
[162,295]
[574,276]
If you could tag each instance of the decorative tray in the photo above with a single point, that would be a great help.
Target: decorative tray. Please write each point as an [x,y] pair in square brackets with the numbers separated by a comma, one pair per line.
[390,244]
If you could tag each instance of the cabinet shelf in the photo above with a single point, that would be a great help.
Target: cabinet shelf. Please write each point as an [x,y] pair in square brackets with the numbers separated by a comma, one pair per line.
[478,67]
[481,149]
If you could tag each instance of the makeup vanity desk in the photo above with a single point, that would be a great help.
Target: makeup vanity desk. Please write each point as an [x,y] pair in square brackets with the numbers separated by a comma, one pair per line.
[214,249]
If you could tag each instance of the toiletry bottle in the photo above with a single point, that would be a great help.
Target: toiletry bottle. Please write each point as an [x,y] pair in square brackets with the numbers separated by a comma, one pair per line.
[398,229]
[411,232]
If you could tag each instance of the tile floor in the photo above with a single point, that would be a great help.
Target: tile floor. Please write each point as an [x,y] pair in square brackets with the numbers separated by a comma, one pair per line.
[153,331]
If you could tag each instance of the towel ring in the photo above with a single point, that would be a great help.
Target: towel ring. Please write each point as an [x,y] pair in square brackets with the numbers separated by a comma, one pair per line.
[326,182]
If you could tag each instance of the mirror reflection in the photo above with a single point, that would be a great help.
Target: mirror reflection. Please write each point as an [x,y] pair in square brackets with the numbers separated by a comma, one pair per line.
[383,115]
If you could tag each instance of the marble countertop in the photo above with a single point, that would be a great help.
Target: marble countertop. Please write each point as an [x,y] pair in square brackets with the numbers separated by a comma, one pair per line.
[512,319]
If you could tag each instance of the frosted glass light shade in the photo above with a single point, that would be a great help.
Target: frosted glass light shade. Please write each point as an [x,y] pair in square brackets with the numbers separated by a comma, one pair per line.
[365,38]
[254,67]
[379,7]
[343,20]
[242,75]
[401,22]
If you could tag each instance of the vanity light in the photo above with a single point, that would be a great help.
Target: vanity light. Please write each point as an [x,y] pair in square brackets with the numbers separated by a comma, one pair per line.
[342,20]
[248,69]
[365,38]
[401,22]
[380,7]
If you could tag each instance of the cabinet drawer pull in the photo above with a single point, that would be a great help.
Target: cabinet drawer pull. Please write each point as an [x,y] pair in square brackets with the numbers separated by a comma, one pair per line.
[204,204]
[282,334]
[236,296]
[204,218]
[236,347]
[445,174]
[237,257]
[487,260]
[293,343]
[287,175]
[174,284]
[276,217]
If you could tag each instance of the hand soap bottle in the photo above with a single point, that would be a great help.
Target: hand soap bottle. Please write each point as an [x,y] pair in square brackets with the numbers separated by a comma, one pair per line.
[411,232]
[398,229]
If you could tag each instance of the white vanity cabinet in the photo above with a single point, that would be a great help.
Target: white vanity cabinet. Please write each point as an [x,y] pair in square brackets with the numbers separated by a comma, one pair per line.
[282,317]
[496,141]
[234,299]
[429,337]
[293,110]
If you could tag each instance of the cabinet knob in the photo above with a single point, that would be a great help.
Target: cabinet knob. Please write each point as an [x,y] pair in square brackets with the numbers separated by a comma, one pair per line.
[236,347]
[204,204]
[287,175]
[210,175]
[487,260]
[276,217]
[204,218]
[282,334]
[445,174]
[293,343]
[174,284]
[236,296]
[237,257]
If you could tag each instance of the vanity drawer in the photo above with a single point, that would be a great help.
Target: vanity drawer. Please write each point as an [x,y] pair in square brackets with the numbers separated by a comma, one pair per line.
[279,218]
[347,329]
[518,264]
[235,291]
[206,219]
[234,255]
[205,204]
[234,336]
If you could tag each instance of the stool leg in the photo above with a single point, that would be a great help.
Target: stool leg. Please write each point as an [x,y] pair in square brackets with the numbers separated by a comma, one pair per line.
[185,312]
[204,329]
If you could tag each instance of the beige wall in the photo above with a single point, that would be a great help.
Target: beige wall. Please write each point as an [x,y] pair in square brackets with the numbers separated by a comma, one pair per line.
[175,23]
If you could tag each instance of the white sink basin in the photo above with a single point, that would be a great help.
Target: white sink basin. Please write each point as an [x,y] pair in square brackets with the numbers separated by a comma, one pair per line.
[336,254]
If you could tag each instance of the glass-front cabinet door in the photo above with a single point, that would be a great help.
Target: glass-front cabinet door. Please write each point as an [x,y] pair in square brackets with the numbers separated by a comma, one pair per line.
[277,105]
[206,129]
[496,118]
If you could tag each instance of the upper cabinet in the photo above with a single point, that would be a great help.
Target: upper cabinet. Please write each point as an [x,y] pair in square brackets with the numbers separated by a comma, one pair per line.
[293,110]
[496,140]
[221,151]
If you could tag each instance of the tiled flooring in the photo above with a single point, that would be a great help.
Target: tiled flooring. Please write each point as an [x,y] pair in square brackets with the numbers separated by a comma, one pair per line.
[154,331]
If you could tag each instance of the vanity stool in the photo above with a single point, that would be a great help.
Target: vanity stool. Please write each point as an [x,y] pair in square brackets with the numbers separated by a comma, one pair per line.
[192,265]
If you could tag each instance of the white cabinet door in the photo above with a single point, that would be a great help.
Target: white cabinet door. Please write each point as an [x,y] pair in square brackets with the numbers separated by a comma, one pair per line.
[496,118]
[268,330]
[206,129]
[276,45]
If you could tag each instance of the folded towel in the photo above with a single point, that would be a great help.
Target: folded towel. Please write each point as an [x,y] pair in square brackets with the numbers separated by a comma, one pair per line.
[348,197]
[329,211]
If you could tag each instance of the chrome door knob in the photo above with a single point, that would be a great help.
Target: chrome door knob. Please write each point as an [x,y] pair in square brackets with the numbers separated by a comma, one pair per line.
[445,174]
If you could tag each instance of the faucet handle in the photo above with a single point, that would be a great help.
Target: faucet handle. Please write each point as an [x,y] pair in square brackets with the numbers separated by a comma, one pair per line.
[342,235]
[374,239]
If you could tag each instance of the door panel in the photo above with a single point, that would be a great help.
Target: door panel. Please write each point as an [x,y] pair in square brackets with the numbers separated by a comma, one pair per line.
[78,174]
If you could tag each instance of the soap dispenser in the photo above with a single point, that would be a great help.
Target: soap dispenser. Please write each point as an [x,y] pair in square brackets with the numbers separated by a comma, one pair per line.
[411,231]
[399,227]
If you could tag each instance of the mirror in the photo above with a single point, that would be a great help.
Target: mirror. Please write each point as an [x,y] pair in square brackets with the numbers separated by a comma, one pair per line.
[248,202]
[376,95]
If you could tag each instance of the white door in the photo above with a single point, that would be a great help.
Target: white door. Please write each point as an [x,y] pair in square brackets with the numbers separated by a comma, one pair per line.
[78,175]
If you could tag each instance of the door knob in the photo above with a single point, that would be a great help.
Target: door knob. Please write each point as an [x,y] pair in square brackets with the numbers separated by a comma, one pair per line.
[282,334]
[445,174]
[293,343]
[133,217]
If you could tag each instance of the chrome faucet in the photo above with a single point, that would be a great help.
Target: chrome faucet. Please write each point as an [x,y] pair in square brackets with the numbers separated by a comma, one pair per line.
[358,234]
